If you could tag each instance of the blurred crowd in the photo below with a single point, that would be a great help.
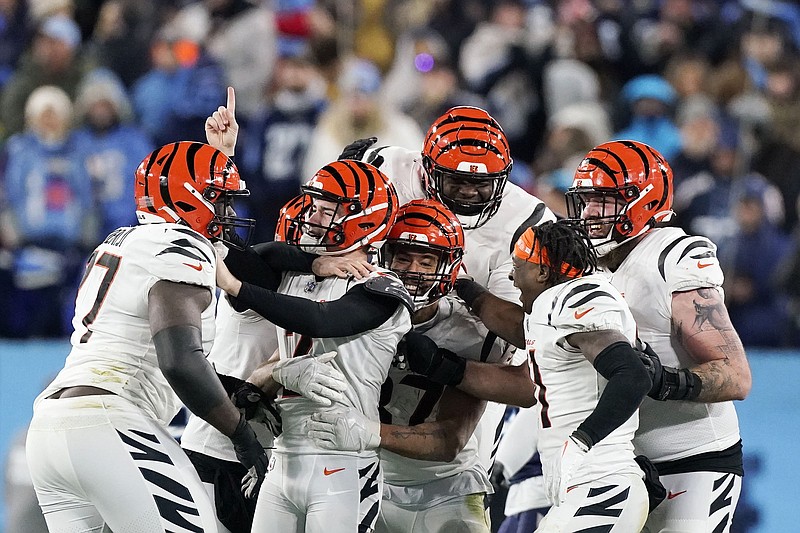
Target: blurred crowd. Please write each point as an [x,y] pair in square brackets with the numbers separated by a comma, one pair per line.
[89,87]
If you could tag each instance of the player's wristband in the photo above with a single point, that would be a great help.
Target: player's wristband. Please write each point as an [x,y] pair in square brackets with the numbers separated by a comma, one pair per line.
[468,290]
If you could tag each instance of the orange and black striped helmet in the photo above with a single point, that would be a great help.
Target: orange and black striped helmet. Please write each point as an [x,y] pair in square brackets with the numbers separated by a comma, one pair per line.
[427,227]
[363,205]
[190,183]
[288,227]
[633,183]
[467,147]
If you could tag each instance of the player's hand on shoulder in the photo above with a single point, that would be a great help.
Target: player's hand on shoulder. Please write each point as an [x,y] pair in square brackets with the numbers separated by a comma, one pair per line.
[344,429]
[222,130]
[326,266]
[312,376]
[357,149]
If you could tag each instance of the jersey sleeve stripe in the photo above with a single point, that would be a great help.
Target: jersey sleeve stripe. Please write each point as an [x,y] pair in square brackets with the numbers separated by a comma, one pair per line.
[589,297]
[199,243]
[577,290]
[703,243]
[663,257]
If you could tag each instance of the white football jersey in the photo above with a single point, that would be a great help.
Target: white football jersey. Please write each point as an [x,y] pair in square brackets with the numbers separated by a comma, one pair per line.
[487,250]
[409,399]
[569,387]
[665,261]
[364,359]
[243,342]
[112,347]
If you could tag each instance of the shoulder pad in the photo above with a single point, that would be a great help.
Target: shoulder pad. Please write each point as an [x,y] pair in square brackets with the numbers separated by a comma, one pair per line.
[187,243]
[694,251]
[388,284]
[581,297]
[374,157]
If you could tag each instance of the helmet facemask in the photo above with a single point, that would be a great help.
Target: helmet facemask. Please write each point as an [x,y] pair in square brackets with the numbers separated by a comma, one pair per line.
[225,223]
[425,288]
[610,226]
[472,214]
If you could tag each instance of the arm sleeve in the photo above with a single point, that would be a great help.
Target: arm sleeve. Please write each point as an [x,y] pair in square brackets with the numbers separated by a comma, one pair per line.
[263,264]
[355,312]
[628,383]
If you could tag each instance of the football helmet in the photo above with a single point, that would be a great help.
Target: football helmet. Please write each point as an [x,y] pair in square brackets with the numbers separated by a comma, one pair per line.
[194,184]
[631,182]
[468,146]
[288,227]
[426,226]
[362,205]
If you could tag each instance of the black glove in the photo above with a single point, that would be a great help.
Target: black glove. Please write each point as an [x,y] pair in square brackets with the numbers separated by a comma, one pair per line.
[251,454]
[357,149]
[437,364]
[252,401]
[668,383]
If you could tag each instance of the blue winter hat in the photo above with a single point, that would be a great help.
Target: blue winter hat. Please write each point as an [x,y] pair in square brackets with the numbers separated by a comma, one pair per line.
[360,75]
[649,86]
[62,28]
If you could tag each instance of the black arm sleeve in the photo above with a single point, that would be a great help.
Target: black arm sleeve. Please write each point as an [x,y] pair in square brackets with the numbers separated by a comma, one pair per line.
[355,312]
[180,357]
[264,263]
[628,384]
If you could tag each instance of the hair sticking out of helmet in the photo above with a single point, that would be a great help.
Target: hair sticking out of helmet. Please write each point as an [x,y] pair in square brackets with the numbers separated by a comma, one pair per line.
[621,190]
[347,205]
[425,247]
[194,184]
[289,225]
[467,162]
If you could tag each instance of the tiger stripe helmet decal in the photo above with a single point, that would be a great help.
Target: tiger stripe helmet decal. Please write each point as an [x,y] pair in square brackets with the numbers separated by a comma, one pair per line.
[426,226]
[366,203]
[190,183]
[630,175]
[467,144]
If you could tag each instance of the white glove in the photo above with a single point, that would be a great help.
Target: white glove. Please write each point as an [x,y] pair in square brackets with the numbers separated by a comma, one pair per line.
[344,429]
[312,376]
[221,249]
[573,453]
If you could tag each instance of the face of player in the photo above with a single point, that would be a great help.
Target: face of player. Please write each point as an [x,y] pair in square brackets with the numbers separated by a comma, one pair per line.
[415,266]
[530,279]
[601,212]
[469,191]
[319,217]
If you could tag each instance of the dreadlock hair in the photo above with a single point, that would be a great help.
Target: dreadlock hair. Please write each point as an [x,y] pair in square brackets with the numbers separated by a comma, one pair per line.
[566,243]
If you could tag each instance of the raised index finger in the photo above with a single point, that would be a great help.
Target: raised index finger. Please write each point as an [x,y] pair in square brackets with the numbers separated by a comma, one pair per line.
[231,100]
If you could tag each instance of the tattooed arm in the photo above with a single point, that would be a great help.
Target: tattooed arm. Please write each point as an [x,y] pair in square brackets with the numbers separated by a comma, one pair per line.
[700,323]
[441,439]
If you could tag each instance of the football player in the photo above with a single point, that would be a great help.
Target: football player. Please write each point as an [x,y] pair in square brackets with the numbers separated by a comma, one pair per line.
[100,456]
[465,163]
[579,335]
[434,480]
[347,209]
[622,191]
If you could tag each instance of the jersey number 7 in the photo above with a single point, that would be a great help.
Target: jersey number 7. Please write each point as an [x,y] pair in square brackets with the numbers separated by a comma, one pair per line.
[111,263]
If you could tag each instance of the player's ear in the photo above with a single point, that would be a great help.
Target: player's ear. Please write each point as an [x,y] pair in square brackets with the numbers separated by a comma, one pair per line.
[545,275]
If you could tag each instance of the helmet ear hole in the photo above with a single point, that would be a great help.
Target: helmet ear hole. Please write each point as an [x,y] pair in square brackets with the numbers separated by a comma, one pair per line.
[354,207]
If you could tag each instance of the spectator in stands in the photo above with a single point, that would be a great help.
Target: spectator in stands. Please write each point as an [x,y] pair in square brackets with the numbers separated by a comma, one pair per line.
[53,59]
[181,89]
[276,140]
[14,35]
[358,112]
[110,147]
[240,36]
[49,225]
[649,99]
[751,259]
